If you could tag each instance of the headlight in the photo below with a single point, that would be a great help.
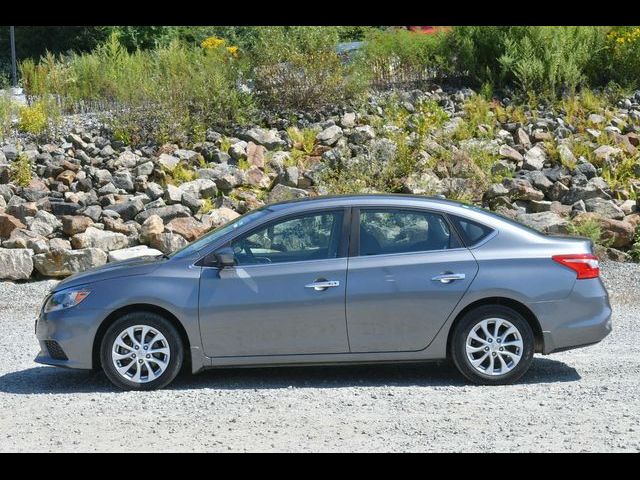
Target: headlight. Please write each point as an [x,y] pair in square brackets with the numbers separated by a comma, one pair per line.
[65,299]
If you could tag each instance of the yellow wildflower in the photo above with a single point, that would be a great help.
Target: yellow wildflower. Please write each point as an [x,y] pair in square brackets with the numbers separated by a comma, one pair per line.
[212,43]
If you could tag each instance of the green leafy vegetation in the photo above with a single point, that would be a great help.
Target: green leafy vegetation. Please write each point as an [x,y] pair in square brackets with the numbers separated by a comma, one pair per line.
[181,174]
[7,111]
[20,173]
[589,228]
[171,83]
[207,205]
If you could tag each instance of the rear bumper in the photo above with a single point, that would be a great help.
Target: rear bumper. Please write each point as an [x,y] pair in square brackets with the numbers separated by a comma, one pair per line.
[581,319]
[73,330]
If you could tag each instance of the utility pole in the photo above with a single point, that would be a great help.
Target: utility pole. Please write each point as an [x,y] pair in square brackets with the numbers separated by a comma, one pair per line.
[14,76]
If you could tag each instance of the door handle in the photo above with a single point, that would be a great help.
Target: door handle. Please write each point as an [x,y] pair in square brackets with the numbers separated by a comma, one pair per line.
[448,277]
[323,285]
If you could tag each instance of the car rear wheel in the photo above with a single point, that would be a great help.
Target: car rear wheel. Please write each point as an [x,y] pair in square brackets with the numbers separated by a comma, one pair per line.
[141,351]
[492,345]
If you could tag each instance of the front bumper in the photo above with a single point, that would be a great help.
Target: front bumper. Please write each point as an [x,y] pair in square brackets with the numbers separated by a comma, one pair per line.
[73,330]
[581,319]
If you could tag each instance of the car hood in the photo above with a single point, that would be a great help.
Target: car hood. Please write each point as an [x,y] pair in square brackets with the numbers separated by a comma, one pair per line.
[123,268]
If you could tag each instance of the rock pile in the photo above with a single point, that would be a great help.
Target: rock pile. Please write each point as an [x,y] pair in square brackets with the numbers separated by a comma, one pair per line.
[92,199]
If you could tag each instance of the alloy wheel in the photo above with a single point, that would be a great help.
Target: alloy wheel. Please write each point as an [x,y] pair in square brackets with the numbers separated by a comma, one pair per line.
[494,346]
[140,353]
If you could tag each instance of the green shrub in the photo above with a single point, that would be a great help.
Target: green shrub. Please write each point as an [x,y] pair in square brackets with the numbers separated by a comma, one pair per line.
[478,120]
[623,55]
[304,140]
[207,205]
[7,110]
[543,59]
[181,174]
[20,173]
[299,68]
[401,56]
[170,92]
[43,116]
[635,249]
[589,228]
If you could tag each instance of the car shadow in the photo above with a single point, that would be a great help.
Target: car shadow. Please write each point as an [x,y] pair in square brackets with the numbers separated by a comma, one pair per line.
[434,374]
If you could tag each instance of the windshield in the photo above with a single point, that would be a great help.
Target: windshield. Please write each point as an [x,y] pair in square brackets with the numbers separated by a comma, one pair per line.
[218,233]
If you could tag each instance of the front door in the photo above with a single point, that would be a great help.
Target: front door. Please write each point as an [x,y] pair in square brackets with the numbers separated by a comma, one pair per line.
[405,279]
[286,294]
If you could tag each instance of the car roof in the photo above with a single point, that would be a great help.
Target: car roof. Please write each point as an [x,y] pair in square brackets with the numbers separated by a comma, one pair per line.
[440,204]
[363,199]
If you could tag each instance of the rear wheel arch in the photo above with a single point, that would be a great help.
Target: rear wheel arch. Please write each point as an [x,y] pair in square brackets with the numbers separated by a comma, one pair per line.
[140,307]
[519,307]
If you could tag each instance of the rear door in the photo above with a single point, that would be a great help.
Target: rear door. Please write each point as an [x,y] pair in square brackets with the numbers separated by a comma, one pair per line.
[407,272]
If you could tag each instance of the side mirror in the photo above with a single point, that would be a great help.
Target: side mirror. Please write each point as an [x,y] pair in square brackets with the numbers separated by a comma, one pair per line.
[225,257]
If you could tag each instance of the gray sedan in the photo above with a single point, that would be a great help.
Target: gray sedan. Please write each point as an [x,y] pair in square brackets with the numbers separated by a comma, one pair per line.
[350,279]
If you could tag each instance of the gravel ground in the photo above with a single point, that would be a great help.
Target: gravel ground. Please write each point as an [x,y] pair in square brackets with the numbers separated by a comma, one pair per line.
[582,400]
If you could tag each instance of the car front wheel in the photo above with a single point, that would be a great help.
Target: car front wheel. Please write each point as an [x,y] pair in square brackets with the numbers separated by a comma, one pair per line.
[141,351]
[492,345]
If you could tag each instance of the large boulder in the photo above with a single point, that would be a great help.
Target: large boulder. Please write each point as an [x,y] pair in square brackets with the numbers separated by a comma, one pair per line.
[362,134]
[151,226]
[281,193]
[96,238]
[167,242]
[534,159]
[255,155]
[168,162]
[330,135]
[74,224]
[15,264]
[133,252]
[61,263]
[604,153]
[521,189]
[604,208]
[44,223]
[269,138]
[8,223]
[617,233]
[127,159]
[425,183]
[127,210]
[219,216]
[510,153]
[188,227]
[546,222]
[200,188]
[167,213]
[21,238]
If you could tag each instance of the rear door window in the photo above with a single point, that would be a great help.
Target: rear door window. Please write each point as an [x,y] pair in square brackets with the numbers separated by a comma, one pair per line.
[471,232]
[388,231]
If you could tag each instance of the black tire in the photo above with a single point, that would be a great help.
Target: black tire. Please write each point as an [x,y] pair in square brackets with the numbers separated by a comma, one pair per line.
[471,319]
[157,322]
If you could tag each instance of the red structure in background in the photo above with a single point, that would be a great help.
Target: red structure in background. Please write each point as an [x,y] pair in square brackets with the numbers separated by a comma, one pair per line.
[428,30]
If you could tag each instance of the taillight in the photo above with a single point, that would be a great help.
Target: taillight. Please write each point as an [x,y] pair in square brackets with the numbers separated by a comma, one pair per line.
[584,264]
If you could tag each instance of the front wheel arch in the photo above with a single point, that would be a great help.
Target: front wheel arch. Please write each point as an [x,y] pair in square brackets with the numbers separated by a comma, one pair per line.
[140,307]
[519,307]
